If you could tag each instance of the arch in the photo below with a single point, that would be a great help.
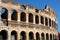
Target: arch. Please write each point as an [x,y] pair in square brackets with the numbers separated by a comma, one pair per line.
[47,36]
[49,22]
[37,19]
[46,21]
[50,36]
[23,16]
[13,35]
[31,36]
[14,15]
[3,35]
[53,37]
[23,35]
[42,20]
[30,17]
[42,36]
[37,36]
[23,7]
[4,14]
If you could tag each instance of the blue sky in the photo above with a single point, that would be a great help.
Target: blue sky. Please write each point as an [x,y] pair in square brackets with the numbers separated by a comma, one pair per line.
[54,4]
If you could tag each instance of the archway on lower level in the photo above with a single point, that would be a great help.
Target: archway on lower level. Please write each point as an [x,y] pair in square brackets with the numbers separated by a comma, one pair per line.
[42,36]
[13,35]
[50,36]
[23,35]
[3,35]
[37,36]
[47,36]
[31,36]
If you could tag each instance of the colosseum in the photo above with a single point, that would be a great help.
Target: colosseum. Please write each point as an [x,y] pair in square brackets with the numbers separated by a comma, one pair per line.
[20,21]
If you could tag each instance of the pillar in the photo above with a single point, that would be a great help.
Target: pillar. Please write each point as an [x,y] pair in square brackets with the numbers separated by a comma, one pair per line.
[34,36]
[27,17]
[18,16]
[9,14]
[34,19]
[9,35]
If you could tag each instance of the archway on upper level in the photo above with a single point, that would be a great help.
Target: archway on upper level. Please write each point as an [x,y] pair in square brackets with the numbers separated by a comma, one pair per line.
[3,35]
[23,35]
[4,14]
[31,17]
[14,15]
[13,35]
[31,36]
[42,20]
[37,36]
[46,21]
[47,36]
[42,36]
[23,16]
[37,19]
[49,22]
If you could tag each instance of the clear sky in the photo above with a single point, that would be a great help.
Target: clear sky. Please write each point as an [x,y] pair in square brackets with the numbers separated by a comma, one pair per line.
[54,4]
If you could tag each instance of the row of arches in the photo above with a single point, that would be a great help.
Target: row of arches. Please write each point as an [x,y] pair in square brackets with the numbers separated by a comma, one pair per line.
[14,16]
[23,36]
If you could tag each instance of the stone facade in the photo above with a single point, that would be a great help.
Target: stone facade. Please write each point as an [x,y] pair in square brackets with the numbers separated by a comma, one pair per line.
[24,22]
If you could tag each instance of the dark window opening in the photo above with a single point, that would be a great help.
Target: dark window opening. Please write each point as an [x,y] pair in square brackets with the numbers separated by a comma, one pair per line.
[31,36]
[42,20]
[47,37]
[42,36]
[4,12]
[14,15]
[49,22]
[46,21]
[37,19]
[36,10]
[22,7]
[30,18]
[13,35]
[37,36]
[23,16]
[3,35]
[23,35]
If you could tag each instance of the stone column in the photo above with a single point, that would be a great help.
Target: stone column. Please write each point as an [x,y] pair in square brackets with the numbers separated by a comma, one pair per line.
[45,36]
[9,14]
[49,36]
[18,16]
[27,36]
[27,18]
[44,21]
[18,36]
[9,35]
[39,20]
[34,19]
[48,22]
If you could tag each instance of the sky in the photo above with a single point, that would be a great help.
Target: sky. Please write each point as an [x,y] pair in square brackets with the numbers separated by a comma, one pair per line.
[54,4]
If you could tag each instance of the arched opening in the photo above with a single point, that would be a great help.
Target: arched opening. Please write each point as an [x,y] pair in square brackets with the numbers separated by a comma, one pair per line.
[47,36]
[13,35]
[23,35]
[37,36]
[53,36]
[31,36]
[14,15]
[3,35]
[22,7]
[23,16]
[50,36]
[36,10]
[49,22]
[37,19]
[4,12]
[42,36]
[30,17]
[42,20]
[46,21]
